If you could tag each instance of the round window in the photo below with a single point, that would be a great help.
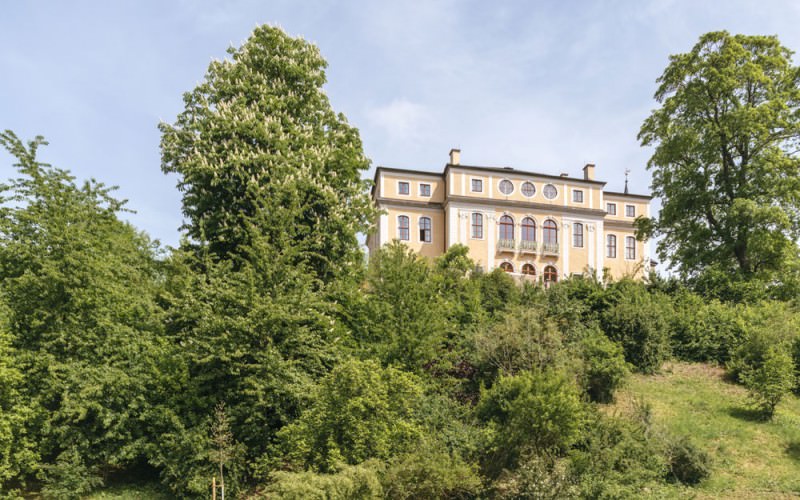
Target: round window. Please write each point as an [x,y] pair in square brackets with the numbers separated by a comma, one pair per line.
[528,189]
[506,187]
[550,191]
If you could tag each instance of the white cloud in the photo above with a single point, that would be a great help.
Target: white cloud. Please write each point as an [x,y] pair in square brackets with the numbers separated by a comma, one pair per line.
[400,119]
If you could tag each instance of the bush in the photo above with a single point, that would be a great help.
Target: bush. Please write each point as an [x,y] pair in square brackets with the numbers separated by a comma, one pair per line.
[360,411]
[604,367]
[525,339]
[638,321]
[431,472]
[687,463]
[528,412]
[360,482]
[542,477]
[771,381]
[705,331]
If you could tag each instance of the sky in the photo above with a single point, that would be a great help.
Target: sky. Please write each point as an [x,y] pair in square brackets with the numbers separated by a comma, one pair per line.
[543,86]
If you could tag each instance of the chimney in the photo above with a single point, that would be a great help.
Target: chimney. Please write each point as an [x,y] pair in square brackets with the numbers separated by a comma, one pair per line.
[455,156]
[588,172]
[564,174]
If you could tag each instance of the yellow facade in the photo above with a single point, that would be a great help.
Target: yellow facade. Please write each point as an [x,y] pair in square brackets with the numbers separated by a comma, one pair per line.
[529,224]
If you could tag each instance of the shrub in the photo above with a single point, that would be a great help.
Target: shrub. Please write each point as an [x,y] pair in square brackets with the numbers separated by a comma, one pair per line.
[770,381]
[638,321]
[430,472]
[687,463]
[530,411]
[542,477]
[360,482]
[604,367]
[615,458]
[524,340]
[360,411]
[705,331]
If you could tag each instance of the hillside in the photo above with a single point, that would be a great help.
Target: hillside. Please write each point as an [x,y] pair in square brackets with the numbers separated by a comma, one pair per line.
[751,458]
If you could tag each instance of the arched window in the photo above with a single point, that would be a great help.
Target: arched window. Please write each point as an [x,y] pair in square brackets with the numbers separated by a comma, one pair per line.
[528,270]
[477,226]
[528,229]
[506,228]
[425,229]
[611,246]
[550,274]
[630,247]
[507,267]
[402,228]
[577,235]
[550,232]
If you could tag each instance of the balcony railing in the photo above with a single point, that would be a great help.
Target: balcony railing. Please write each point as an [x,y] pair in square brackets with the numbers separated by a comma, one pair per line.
[550,248]
[505,245]
[527,246]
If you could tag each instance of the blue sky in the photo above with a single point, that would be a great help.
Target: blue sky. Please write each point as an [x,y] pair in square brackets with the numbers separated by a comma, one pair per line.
[543,86]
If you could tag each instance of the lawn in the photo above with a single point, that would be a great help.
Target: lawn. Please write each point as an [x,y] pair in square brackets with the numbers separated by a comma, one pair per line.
[751,458]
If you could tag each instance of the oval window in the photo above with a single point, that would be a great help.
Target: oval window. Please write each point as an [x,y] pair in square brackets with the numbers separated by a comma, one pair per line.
[550,191]
[528,189]
[506,187]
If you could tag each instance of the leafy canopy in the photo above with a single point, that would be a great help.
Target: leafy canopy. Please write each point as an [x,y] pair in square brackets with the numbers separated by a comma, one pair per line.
[725,162]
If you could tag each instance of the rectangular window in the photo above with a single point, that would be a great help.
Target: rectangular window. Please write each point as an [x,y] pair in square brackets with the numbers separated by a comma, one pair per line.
[402,228]
[630,211]
[577,196]
[424,189]
[611,246]
[477,226]
[611,208]
[577,235]
[630,247]
[477,186]
[425,229]
[403,188]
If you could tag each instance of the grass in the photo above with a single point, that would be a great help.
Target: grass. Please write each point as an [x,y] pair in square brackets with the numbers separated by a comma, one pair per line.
[142,491]
[751,458]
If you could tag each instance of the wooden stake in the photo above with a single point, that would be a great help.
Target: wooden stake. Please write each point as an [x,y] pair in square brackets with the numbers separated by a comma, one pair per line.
[213,487]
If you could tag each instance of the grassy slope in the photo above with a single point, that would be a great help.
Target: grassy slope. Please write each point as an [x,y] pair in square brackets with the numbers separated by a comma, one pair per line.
[751,459]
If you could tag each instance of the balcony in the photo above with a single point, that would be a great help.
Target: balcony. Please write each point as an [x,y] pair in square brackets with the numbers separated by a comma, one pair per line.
[549,248]
[505,245]
[527,246]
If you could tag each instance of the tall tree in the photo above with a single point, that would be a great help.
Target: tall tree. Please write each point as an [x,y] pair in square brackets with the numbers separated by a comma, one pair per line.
[79,288]
[260,151]
[725,163]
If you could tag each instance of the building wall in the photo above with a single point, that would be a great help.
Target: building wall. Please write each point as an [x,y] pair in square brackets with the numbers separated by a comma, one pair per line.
[452,203]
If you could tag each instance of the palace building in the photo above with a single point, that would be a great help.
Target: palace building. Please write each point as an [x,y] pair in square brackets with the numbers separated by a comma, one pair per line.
[534,226]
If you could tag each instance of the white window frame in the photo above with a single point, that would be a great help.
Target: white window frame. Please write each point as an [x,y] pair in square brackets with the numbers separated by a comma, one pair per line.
[483,226]
[419,224]
[627,206]
[535,190]
[399,193]
[545,187]
[430,189]
[626,248]
[513,187]
[611,204]
[616,247]
[409,227]
[574,192]
[583,234]
[473,179]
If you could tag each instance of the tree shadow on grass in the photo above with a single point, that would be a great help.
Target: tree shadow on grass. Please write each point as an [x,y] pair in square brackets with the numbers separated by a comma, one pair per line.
[746,414]
[793,450]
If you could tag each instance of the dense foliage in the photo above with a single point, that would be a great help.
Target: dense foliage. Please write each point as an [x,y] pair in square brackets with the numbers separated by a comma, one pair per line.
[264,352]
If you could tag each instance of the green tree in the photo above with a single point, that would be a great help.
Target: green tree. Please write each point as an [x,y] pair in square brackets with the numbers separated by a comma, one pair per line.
[770,381]
[360,411]
[259,151]
[81,291]
[725,163]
